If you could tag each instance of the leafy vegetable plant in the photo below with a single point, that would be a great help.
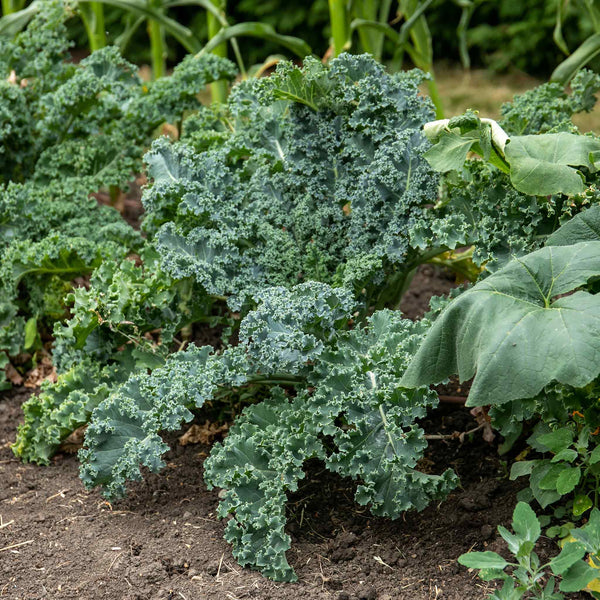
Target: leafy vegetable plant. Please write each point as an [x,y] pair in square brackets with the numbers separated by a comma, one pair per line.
[273,191]
[68,131]
[528,578]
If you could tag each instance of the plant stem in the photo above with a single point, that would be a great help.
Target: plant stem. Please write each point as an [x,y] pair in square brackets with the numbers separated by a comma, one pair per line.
[367,9]
[435,96]
[11,6]
[157,48]
[337,15]
[93,21]
[219,89]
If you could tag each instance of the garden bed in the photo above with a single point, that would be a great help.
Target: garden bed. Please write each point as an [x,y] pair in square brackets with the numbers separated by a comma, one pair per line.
[165,542]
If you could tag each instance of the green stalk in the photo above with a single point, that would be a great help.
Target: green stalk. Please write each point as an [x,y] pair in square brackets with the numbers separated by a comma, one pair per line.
[219,89]
[157,49]
[384,11]
[434,94]
[11,6]
[367,9]
[337,15]
[93,21]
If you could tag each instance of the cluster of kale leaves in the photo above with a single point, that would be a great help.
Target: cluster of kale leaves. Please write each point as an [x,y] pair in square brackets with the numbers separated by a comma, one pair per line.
[293,218]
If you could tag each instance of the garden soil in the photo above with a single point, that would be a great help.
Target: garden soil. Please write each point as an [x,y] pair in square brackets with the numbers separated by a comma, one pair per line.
[164,542]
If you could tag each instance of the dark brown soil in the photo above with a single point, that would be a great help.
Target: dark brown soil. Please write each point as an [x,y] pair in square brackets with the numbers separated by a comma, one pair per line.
[59,541]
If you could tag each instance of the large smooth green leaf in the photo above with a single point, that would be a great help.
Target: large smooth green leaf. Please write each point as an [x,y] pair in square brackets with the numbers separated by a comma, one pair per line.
[516,331]
[584,227]
[541,165]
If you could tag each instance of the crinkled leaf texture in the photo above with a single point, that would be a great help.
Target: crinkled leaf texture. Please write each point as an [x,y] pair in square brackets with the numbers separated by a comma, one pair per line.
[124,431]
[519,329]
[63,407]
[321,380]
[310,174]
[356,382]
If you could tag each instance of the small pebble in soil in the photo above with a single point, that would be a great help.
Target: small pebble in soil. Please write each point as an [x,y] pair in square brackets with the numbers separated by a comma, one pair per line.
[212,568]
[486,532]
[369,593]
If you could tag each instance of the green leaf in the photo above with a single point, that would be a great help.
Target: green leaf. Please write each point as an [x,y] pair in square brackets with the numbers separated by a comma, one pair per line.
[589,534]
[124,433]
[260,460]
[568,479]
[482,560]
[521,468]
[511,323]
[145,9]
[583,227]
[550,480]
[31,333]
[567,69]
[12,23]
[525,523]
[513,541]
[594,456]
[541,165]
[577,577]
[259,30]
[544,497]
[581,504]
[557,440]
[450,152]
[566,455]
[570,553]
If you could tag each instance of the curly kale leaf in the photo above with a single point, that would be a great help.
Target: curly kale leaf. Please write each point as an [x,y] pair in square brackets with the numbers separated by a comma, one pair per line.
[381,444]
[123,323]
[261,460]
[353,396]
[84,125]
[548,107]
[342,386]
[124,431]
[289,328]
[64,406]
[123,303]
[168,99]
[68,130]
[325,188]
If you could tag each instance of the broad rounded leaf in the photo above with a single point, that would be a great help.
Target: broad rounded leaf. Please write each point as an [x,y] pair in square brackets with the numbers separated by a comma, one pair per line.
[541,165]
[515,333]
[583,227]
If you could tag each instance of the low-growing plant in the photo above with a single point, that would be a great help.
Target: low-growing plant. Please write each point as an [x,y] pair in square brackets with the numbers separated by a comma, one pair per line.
[67,131]
[295,217]
[527,577]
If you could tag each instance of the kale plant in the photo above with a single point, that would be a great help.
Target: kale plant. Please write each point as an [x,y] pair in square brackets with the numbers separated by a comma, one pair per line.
[313,174]
[330,393]
[68,130]
[301,208]
[293,205]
